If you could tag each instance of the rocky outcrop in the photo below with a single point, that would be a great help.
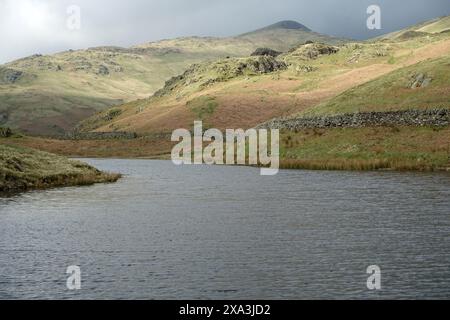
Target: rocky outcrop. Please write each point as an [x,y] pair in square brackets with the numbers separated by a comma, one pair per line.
[208,73]
[10,76]
[5,132]
[313,51]
[103,70]
[3,117]
[418,118]
[111,114]
[419,81]
[264,64]
[305,68]
[265,52]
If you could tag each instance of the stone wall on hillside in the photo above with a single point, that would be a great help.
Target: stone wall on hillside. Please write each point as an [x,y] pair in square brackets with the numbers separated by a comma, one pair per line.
[101,136]
[418,118]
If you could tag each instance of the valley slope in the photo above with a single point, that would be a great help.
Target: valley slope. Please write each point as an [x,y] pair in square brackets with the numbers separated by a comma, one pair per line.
[48,95]
[310,79]
[400,71]
[392,73]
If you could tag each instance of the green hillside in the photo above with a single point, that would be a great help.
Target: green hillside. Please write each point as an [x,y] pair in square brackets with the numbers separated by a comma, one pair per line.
[308,79]
[438,25]
[420,86]
[407,71]
[48,95]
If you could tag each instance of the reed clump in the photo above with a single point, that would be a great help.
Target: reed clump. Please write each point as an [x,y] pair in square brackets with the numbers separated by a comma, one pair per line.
[355,164]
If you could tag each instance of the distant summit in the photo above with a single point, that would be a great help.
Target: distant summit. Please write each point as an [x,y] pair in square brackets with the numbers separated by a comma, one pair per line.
[287,24]
[284,25]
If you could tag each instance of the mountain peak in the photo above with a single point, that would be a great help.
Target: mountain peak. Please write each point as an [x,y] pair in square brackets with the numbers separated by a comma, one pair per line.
[287,24]
[282,25]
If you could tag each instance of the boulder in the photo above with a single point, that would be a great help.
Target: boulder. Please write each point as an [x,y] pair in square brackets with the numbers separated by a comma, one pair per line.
[314,50]
[420,80]
[3,117]
[103,70]
[305,69]
[10,76]
[5,132]
[265,52]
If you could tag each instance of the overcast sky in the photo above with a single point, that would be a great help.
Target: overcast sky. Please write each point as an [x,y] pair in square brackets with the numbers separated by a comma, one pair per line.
[40,26]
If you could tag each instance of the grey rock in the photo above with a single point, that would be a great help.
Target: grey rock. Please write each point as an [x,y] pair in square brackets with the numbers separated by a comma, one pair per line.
[266,52]
[5,132]
[419,80]
[225,70]
[103,70]
[426,82]
[313,51]
[11,75]
[3,117]
[306,68]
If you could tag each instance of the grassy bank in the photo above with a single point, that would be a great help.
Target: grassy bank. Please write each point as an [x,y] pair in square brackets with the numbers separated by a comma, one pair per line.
[23,169]
[124,149]
[374,148]
[389,148]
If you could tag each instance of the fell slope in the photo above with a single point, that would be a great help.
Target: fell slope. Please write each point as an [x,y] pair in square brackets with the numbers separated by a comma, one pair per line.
[383,74]
[48,95]
[314,75]
[438,25]
[425,85]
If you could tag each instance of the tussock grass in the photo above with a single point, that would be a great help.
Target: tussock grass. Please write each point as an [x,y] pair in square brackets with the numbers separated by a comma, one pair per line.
[23,169]
[355,164]
[362,149]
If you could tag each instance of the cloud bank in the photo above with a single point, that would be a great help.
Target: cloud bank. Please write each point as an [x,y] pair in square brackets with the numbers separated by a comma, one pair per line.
[40,26]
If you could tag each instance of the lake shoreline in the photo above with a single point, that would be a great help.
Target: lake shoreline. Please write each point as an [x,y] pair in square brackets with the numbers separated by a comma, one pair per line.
[350,149]
[306,166]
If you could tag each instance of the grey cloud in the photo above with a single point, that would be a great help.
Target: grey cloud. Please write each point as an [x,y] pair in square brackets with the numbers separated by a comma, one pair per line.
[125,23]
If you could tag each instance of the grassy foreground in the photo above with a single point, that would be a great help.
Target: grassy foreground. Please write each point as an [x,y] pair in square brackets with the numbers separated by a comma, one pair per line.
[23,169]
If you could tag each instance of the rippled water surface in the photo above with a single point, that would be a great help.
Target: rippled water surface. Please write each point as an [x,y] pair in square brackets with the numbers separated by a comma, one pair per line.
[166,232]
